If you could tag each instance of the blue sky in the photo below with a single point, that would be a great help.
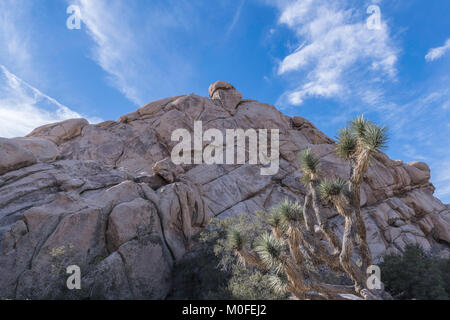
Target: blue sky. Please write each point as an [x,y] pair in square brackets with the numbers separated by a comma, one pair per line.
[313,58]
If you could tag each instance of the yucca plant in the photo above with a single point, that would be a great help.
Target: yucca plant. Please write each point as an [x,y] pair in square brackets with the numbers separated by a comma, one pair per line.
[309,164]
[359,125]
[279,283]
[347,143]
[275,219]
[331,189]
[270,250]
[294,249]
[375,138]
[360,141]
[289,211]
[370,139]
[236,240]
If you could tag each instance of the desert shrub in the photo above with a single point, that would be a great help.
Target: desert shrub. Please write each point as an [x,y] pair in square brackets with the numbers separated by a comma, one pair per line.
[212,271]
[416,275]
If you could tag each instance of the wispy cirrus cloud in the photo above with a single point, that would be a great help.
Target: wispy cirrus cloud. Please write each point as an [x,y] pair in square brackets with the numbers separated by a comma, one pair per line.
[236,17]
[15,50]
[340,59]
[421,131]
[115,43]
[23,107]
[334,44]
[139,58]
[439,52]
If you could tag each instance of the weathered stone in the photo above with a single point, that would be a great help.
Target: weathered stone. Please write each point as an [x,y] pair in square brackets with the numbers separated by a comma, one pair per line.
[310,131]
[61,131]
[154,181]
[43,149]
[226,94]
[147,267]
[167,170]
[109,199]
[108,281]
[441,227]
[418,172]
[13,156]
[185,213]
[128,219]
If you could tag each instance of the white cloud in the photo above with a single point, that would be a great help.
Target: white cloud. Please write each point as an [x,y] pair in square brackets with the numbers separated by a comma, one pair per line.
[15,49]
[23,107]
[115,43]
[336,46]
[133,47]
[421,132]
[236,18]
[436,53]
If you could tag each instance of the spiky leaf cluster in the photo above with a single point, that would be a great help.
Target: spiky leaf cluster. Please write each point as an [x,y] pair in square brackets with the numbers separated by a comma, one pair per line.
[284,213]
[375,138]
[347,143]
[236,240]
[359,125]
[308,161]
[275,219]
[361,134]
[329,189]
[270,250]
[278,283]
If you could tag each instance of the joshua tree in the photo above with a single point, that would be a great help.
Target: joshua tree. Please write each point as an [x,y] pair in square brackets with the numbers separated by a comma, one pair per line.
[293,249]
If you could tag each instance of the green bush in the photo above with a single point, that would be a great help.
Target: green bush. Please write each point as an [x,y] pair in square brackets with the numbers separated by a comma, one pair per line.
[212,271]
[416,275]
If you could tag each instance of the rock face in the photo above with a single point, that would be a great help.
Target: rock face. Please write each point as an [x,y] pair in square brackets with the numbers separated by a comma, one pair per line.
[13,156]
[108,198]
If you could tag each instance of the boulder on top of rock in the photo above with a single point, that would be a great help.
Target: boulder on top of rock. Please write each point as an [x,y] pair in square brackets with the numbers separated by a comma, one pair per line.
[420,165]
[419,172]
[225,93]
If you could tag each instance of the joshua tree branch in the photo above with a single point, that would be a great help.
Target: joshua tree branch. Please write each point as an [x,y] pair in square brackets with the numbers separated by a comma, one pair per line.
[309,221]
[251,258]
[345,256]
[360,167]
[323,221]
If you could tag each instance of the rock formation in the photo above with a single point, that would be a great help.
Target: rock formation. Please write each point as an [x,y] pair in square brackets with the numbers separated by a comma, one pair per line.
[108,198]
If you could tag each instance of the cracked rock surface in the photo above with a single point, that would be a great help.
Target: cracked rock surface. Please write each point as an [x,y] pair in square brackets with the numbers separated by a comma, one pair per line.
[108,199]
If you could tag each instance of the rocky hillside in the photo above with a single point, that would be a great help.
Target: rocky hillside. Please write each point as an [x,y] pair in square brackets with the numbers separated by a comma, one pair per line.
[108,198]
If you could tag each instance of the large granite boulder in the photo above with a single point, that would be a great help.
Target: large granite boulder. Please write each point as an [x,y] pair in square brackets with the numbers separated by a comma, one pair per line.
[43,149]
[13,156]
[108,198]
